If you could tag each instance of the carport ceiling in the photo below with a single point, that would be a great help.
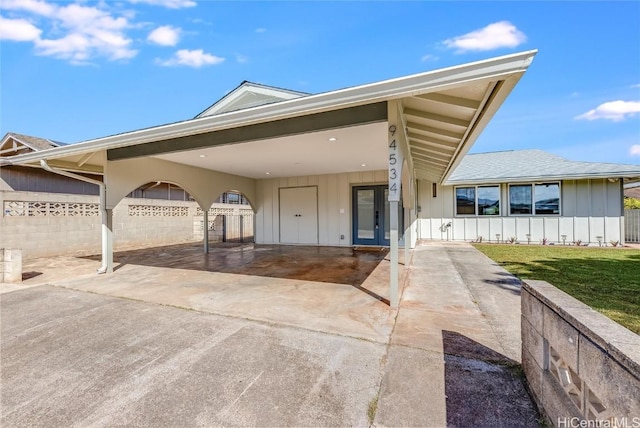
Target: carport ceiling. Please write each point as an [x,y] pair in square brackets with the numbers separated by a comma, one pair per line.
[356,148]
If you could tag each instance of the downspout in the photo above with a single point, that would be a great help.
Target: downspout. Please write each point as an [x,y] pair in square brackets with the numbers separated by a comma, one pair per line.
[103,206]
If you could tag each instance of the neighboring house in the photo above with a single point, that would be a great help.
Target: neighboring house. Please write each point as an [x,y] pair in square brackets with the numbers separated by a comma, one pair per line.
[529,196]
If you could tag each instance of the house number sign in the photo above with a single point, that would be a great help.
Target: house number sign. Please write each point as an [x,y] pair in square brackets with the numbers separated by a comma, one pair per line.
[395,166]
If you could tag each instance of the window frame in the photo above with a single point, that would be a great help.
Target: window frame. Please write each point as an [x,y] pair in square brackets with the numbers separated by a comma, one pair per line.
[533,199]
[475,206]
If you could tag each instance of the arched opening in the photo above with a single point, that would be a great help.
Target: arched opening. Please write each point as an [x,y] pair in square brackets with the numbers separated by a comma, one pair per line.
[157,213]
[230,219]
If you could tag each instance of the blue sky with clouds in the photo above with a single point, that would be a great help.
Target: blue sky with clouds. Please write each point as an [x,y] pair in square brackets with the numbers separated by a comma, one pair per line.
[76,70]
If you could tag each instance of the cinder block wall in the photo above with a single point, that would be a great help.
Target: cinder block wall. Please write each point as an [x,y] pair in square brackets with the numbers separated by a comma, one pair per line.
[65,228]
[581,366]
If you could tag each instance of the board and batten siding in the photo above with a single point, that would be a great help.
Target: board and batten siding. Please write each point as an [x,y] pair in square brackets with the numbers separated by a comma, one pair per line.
[589,209]
[334,204]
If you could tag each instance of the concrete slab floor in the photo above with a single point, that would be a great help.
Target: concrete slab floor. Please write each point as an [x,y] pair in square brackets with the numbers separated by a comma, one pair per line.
[447,359]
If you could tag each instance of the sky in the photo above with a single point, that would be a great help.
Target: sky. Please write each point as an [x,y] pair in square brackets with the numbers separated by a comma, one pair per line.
[72,71]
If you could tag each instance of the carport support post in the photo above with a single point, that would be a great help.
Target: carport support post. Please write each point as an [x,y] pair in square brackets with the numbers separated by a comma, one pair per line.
[395,162]
[107,240]
[205,225]
[393,237]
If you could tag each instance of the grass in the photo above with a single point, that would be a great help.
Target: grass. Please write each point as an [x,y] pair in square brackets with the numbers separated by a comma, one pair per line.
[607,279]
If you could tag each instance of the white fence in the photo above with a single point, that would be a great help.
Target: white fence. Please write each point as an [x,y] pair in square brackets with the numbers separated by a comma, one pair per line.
[632,225]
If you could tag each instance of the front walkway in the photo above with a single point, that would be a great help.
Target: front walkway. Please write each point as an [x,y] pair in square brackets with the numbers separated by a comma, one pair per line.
[448,356]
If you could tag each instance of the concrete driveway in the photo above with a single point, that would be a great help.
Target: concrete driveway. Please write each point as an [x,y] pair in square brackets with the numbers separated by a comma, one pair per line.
[186,346]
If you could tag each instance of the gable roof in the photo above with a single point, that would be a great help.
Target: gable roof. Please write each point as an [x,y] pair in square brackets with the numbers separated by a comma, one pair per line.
[533,165]
[247,95]
[22,142]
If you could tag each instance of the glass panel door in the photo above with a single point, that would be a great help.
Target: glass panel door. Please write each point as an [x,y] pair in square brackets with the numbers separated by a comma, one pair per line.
[371,215]
[366,214]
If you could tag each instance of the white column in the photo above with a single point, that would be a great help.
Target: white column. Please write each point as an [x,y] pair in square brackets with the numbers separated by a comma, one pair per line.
[107,241]
[395,162]
[205,225]
[393,280]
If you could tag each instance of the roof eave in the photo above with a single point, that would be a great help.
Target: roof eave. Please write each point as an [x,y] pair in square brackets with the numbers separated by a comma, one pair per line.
[494,68]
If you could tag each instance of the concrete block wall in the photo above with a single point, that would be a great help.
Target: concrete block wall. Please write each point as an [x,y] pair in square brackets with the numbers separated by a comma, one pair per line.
[582,368]
[54,235]
[10,265]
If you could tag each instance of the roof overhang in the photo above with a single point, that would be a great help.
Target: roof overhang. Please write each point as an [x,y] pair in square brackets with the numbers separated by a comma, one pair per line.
[444,111]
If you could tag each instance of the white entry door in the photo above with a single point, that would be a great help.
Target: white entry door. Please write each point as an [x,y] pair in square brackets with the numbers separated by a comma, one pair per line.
[299,215]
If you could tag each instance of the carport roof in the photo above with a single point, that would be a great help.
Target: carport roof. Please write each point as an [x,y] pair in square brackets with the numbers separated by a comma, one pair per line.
[442,113]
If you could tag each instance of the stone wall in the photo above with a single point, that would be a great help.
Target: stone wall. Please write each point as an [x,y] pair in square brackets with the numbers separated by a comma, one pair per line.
[583,369]
[50,224]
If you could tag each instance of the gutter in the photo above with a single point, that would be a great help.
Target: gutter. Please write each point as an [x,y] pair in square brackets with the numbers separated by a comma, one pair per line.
[103,204]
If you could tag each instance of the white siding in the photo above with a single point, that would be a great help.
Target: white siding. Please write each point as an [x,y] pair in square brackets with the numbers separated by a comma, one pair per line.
[334,204]
[590,208]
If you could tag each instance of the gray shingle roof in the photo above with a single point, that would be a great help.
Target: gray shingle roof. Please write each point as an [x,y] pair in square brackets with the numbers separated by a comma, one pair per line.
[36,143]
[532,165]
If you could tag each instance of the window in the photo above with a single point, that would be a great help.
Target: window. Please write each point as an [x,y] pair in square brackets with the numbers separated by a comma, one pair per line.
[535,199]
[478,200]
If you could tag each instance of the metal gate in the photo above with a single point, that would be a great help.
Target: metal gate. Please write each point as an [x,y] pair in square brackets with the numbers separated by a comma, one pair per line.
[632,225]
[238,227]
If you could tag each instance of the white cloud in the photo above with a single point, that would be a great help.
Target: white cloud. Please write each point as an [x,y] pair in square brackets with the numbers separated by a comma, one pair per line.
[637,85]
[261,30]
[76,32]
[33,6]
[242,59]
[429,57]
[165,36]
[170,4]
[501,34]
[191,58]
[18,30]
[612,110]
[634,150]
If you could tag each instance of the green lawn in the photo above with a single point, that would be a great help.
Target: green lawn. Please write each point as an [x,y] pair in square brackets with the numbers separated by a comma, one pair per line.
[607,279]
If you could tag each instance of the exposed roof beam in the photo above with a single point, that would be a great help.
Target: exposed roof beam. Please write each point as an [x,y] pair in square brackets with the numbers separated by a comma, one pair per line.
[433,149]
[421,173]
[436,117]
[430,154]
[426,159]
[72,166]
[457,136]
[85,158]
[431,140]
[449,99]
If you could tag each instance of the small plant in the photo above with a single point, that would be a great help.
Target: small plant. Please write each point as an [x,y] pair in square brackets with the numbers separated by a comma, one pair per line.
[479,239]
[544,241]
[578,242]
[614,243]
[372,409]
[512,240]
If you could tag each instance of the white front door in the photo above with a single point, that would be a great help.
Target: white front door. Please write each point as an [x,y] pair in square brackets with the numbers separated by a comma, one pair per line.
[299,215]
